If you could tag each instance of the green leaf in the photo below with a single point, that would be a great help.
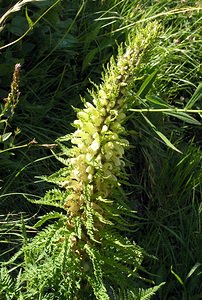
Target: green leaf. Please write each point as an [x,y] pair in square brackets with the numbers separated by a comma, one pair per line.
[96,279]
[176,276]
[147,84]
[54,197]
[193,269]
[166,141]
[18,26]
[157,101]
[196,97]
[5,136]
[161,135]
[48,216]
[148,293]
[184,117]
[88,58]
[31,24]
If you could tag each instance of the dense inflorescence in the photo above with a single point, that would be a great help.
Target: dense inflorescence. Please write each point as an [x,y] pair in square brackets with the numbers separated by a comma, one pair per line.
[96,158]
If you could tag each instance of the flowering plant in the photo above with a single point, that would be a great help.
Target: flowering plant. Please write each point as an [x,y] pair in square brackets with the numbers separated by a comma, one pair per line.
[84,254]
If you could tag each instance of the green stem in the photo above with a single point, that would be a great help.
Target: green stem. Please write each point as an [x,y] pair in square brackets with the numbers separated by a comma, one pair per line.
[31,27]
[166,110]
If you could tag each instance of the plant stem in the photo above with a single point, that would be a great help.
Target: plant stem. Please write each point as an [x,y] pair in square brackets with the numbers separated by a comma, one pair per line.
[166,110]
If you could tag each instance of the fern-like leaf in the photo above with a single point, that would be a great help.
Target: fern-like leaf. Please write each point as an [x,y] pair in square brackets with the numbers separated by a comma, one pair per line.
[148,293]
[96,279]
[49,216]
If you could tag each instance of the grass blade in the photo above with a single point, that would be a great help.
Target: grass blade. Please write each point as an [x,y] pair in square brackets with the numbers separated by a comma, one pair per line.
[197,96]
[147,84]
[161,135]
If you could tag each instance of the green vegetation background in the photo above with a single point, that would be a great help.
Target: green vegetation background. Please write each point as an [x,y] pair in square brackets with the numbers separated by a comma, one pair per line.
[66,50]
